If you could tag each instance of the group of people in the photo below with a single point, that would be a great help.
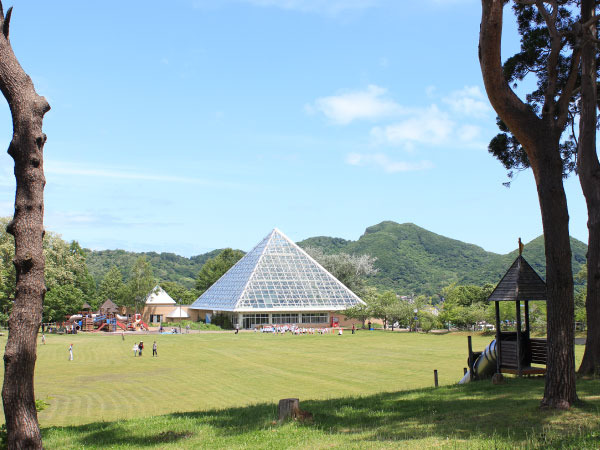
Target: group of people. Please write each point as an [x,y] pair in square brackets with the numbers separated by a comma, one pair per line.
[139,348]
[296,330]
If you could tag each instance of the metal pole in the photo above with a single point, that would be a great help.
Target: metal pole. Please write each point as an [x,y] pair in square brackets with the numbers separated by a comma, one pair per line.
[435,378]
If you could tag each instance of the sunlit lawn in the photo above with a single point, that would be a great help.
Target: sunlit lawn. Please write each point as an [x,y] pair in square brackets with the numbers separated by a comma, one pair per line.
[221,390]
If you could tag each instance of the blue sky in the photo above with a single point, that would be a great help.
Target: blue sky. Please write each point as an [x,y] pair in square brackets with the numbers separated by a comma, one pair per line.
[190,125]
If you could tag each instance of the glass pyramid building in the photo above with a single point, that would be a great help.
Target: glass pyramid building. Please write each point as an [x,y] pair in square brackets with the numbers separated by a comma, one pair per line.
[277,276]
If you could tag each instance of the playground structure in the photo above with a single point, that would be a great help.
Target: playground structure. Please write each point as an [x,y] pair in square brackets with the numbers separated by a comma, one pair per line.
[512,352]
[106,319]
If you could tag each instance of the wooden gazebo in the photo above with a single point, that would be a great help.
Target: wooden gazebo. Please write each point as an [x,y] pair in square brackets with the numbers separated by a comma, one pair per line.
[108,307]
[516,351]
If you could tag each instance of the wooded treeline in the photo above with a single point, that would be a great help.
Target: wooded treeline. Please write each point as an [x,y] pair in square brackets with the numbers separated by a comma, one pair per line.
[75,275]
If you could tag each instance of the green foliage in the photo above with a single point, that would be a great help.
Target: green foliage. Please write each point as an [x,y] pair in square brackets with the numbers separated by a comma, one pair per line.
[382,306]
[62,301]
[410,259]
[222,321]
[40,404]
[351,270]
[166,266]
[112,287]
[179,293]
[215,268]
[140,284]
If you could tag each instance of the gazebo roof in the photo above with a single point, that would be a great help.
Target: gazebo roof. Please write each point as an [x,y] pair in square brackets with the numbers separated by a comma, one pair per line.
[86,306]
[521,282]
[109,307]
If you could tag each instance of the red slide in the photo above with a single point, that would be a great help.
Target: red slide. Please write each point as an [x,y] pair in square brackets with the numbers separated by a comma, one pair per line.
[101,326]
[145,326]
[121,326]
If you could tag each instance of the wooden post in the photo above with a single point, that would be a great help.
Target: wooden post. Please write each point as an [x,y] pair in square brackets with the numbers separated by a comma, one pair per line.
[518,303]
[471,375]
[435,378]
[464,370]
[498,339]
[527,318]
[289,408]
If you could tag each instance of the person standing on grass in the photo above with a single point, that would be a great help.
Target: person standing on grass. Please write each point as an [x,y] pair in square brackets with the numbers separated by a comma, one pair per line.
[353,329]
[141,347]
[154,349]
[135,349]
[71,352]
[43,339]
[122,336]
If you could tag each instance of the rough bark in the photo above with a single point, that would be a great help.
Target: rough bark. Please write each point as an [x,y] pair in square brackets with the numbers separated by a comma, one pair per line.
[26,148]
[288,408]
[589,177]
[540,137]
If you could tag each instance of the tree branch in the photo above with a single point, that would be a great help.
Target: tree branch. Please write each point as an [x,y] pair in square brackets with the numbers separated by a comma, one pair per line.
[6,23]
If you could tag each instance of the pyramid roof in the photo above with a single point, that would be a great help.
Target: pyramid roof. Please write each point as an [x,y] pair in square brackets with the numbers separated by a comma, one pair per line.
[521,282]
[277,275]
[109,307]
[178,313]
[158,296]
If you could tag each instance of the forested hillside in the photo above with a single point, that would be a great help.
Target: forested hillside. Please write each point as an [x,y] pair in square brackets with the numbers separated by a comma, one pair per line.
[411,259]
[165,266]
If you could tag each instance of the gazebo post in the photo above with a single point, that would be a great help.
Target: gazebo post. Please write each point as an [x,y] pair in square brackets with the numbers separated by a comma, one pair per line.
[527,318]
[498,338]
[518,305]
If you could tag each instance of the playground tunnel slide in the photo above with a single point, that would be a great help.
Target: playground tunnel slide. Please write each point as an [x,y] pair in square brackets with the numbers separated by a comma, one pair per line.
[485,365]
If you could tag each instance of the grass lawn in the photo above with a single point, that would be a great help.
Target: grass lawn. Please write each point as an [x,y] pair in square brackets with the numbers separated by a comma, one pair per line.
[221,390]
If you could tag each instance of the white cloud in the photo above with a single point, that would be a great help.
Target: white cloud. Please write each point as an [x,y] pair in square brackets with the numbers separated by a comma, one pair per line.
[469,101]
[427,126]
[331,7]
[59,168]
[370,104]
[383,161]
[468,133]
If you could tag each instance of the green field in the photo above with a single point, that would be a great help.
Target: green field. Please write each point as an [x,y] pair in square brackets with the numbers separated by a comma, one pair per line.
[221,390]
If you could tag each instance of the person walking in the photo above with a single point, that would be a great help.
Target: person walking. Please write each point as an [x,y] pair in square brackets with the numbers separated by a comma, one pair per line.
[135,349]
[353,329]
[141,347]
[43,339]
[122,336]
[71,352]
[154,349]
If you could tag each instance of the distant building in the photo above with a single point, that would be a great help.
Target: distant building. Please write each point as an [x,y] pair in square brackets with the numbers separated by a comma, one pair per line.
[158,306]
[277,283]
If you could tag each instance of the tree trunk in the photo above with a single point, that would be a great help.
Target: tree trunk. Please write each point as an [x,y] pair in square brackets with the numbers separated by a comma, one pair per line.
[540,138]
[560,388]
[26,148]
[288,408]
[589,177]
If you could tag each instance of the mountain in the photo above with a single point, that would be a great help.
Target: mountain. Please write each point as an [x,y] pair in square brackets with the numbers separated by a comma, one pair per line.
[411,259]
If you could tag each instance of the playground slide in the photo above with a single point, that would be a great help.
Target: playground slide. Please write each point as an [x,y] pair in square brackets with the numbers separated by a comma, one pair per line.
[101,326]
[485,365]
[121,326]
[143,323]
